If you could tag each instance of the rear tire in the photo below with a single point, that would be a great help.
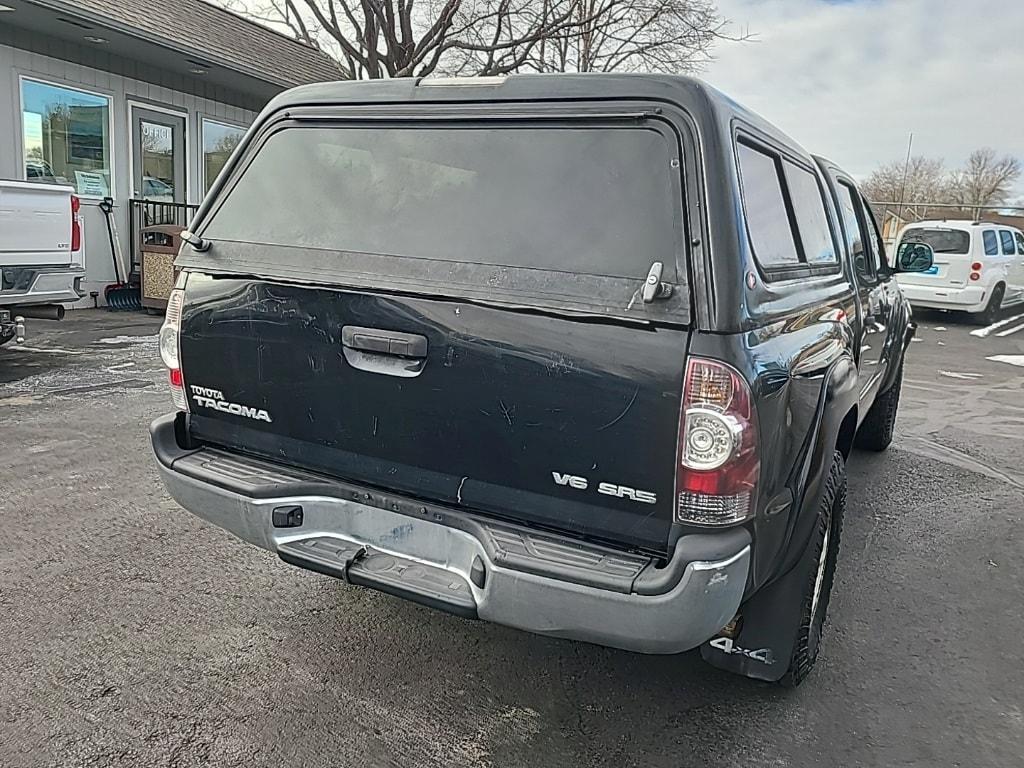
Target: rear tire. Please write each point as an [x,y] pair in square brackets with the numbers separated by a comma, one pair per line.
[991,312]
[778,630]
[878,427]
[818,589]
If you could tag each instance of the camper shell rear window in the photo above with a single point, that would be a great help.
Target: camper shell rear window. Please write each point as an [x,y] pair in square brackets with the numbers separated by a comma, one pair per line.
[546,213]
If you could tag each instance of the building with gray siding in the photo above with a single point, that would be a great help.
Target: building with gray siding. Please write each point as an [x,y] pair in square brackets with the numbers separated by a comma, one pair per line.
[135,100]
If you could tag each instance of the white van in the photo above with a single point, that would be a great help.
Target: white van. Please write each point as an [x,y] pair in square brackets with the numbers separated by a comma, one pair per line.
[979,267]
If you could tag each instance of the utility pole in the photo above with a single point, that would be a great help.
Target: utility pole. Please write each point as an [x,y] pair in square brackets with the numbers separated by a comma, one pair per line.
[906,171]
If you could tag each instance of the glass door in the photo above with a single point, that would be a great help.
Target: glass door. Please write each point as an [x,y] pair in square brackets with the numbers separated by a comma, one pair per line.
[158,156]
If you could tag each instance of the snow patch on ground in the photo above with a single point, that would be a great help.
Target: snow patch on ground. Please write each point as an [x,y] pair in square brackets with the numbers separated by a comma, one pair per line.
[983,332]
[118,363]
[1011,359]
[958,375]
[129,339]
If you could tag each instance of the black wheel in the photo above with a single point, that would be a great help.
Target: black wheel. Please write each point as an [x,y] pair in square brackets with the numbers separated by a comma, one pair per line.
[818,584]
[995,303]
[877,429]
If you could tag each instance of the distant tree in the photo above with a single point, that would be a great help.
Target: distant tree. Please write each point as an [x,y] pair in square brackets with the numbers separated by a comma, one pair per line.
[985,181]
[925,189]
[405,38]
[625,36]
[925,180]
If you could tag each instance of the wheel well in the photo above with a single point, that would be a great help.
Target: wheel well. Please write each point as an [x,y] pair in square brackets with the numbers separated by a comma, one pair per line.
[1000,288]
[847,431]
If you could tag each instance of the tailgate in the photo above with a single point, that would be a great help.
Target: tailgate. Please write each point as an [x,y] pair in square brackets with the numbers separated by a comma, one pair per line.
[35,224]
[563,423]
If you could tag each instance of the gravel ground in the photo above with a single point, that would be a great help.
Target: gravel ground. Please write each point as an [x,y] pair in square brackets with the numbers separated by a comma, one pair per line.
[133,634]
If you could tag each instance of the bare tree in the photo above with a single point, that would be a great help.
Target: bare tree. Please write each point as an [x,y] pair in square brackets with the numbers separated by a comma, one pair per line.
[986,180]
[925,180]
[924,189]
[404,38]
[283,15]
[627,35]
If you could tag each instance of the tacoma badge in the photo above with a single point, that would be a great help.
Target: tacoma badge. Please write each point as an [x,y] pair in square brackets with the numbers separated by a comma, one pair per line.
[214,398]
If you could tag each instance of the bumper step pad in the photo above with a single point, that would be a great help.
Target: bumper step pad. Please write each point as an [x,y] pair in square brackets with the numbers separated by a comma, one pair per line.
[366,567]
[590,565]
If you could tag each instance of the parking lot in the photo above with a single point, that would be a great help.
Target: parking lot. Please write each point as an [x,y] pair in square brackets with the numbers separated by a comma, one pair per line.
[135,635]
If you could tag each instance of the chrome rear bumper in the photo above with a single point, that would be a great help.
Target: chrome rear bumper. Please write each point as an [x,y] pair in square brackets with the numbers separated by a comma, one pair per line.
[43,285]
[533,581]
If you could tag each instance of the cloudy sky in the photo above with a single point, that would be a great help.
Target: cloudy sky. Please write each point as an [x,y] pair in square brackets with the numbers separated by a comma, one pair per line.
[851,79]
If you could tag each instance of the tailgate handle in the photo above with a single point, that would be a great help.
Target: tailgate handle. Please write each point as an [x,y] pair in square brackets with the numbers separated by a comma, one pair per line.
[382,342]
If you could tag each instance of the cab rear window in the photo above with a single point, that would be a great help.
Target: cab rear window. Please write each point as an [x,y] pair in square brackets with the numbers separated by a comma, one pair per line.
[952,241]
[584,200]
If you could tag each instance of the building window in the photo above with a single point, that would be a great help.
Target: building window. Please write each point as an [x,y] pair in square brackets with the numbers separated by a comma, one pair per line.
[219,140]
[66,136]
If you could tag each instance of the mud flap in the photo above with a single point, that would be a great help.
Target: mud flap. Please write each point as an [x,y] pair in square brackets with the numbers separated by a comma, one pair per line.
[769,626]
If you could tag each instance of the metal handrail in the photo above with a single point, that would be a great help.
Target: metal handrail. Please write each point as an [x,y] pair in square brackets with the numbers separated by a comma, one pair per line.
[143,213]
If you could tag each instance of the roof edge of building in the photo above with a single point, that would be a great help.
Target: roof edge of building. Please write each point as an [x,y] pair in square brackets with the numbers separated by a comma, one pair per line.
[72,9]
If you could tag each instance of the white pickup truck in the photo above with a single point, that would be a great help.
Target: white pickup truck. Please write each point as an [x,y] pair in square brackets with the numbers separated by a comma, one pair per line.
[41,257]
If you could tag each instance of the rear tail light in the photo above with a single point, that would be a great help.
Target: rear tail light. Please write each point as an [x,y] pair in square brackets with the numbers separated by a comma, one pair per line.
[76,225]
[170,332]
[975,276]
[718,464]
[976,266]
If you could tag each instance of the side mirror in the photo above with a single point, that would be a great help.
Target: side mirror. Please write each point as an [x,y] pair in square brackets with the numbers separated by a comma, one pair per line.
[914,257]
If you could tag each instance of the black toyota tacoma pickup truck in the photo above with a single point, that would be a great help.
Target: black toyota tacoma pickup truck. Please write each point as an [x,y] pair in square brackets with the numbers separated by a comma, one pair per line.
[584,355]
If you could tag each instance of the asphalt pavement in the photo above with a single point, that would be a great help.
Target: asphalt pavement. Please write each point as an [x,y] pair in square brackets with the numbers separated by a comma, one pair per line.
[133,634]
